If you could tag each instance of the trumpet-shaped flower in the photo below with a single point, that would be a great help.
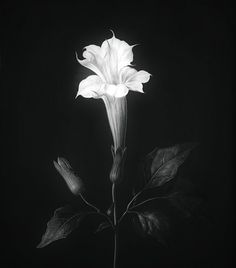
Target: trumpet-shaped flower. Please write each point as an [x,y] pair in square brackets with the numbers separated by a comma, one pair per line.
[112,81]
[114,76]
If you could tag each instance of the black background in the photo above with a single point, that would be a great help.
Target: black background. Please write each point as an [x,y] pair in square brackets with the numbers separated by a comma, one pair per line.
[187,47]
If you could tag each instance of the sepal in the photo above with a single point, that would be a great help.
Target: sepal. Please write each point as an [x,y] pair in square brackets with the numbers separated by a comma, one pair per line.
[116,173]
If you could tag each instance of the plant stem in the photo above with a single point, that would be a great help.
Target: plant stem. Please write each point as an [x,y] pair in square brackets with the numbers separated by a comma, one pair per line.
[115,248]
[89,204]
[128,206]
[114,203]
[148,200]
[131,201]
[97,210]
[115,224]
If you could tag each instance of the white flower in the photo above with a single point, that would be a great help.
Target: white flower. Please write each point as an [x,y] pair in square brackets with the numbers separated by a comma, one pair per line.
[112,81]
[114,76]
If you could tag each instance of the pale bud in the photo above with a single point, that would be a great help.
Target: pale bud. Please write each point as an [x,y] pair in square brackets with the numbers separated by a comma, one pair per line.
[73,181]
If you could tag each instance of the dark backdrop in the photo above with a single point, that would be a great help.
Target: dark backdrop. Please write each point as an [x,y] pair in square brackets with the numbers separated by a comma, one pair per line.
[187,47]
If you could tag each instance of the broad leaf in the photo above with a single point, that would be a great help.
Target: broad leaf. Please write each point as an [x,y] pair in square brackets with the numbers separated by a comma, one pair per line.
[146,165]
[102,226]
[151,223]
[163,164]
[187,204]
[63,222]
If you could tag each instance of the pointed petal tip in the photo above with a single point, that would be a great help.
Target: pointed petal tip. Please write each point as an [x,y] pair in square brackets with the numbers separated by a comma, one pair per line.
[141,91]
[77,94]
[76,56]
[135,45]
[112,33]
[56,165]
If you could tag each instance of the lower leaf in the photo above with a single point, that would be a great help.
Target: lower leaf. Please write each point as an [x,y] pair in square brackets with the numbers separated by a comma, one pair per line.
[63,222]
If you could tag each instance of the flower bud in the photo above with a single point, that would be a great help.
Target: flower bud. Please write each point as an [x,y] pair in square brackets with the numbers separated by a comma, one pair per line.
[73,181]
[116,173]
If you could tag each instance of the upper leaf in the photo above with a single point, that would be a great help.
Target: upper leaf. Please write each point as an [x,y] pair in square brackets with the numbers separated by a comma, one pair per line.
[162,164]
[63,222]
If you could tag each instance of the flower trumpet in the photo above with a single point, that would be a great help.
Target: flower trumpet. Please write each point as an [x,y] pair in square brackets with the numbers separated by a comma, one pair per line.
[112,82]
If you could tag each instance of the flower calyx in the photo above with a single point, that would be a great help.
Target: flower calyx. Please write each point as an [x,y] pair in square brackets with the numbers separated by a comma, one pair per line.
[119,156]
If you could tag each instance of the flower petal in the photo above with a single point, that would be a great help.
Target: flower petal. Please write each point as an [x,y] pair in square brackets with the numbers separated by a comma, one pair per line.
[134,79]
[91,87]
[120,51]
[93,60]
[116,91]
[135,86]
[126,73]
[140,76]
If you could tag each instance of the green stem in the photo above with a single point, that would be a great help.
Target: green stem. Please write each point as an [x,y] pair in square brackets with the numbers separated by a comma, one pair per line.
[89,204]
[131,201]
[97,210]
[115,224]
[115,248]
[148,200]
[128,206]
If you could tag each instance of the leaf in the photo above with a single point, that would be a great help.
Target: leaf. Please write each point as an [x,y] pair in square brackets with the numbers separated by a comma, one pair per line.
[151,223]
[164,163]
[187,204]
[146,165]
[102,226]
[63,222]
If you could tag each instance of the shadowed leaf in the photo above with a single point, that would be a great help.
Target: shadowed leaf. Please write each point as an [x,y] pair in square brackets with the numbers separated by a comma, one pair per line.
[186,204]
[63,222]
[151,224]
[163,164]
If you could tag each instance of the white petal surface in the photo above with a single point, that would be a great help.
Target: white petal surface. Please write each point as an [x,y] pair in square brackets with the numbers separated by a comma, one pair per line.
[126,73]
[111,64]
[134,79]
[120,51]
[140,76]
[116,91]
[91,87]
[93,60]
[135,86]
